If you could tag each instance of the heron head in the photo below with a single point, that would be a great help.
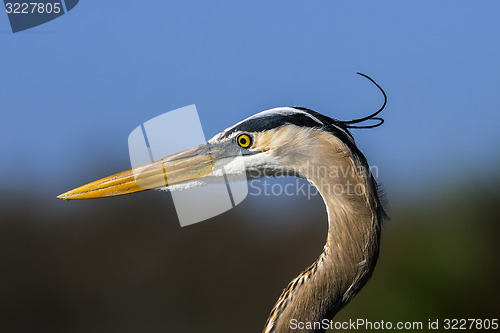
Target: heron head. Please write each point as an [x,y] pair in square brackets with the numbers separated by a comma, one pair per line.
[280,141]
[272,142]
[276,141]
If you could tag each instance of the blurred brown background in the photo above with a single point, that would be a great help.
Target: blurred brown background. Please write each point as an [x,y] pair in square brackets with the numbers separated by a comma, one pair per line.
[125,265]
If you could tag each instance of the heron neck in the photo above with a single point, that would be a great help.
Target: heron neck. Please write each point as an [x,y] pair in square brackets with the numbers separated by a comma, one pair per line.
[350,252]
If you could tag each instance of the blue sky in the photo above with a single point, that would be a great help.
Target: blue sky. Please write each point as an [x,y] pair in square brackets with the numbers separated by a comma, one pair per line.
[73,89]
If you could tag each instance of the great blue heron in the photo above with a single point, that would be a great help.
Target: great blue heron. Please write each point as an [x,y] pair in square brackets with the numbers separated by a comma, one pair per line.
[300,142]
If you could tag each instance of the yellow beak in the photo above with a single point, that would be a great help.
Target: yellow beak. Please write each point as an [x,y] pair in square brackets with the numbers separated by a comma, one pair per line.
[190,164]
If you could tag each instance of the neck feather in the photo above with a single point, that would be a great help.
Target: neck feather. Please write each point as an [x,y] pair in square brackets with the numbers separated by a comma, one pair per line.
[351,250]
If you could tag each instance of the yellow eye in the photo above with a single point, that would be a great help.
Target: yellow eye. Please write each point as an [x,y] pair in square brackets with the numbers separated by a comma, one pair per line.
[244,140]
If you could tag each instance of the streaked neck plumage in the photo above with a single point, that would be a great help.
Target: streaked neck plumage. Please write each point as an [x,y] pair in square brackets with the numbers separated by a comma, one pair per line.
[351,250]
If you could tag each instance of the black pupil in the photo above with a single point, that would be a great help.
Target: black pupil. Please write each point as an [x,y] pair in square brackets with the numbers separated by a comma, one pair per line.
[243,141]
